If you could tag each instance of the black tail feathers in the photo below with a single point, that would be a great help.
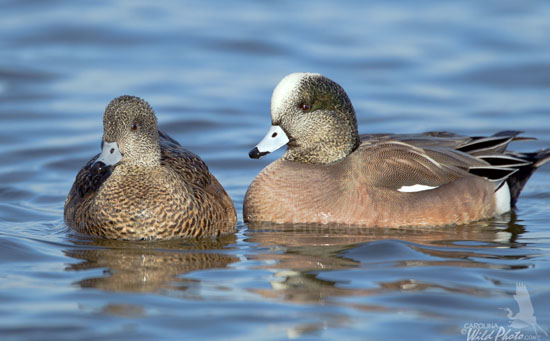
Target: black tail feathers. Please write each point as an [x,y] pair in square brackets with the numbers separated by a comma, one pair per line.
[518,179]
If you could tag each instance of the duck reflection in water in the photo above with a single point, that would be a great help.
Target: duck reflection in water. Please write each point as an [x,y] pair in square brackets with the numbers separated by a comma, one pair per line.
[147,267]
[308,257]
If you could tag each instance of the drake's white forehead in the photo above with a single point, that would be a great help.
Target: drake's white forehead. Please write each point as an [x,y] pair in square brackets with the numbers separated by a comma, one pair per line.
[287,89]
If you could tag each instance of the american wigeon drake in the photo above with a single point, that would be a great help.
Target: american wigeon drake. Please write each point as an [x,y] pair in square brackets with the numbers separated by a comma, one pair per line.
[331,174]
[145,185]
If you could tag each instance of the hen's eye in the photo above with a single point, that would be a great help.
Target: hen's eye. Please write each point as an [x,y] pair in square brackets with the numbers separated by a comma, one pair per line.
[306,107]
[134,126]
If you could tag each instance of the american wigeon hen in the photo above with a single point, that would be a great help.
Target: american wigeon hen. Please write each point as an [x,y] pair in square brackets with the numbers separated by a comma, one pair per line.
[145,185]
[331,174]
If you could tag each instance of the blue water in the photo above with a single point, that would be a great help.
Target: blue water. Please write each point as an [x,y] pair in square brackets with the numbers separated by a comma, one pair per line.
[208,68]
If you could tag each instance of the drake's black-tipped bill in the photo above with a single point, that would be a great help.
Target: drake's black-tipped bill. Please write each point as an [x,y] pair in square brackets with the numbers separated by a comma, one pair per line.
[256,154]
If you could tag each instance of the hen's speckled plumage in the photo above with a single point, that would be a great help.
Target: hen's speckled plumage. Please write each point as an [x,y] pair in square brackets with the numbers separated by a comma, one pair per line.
[159,190]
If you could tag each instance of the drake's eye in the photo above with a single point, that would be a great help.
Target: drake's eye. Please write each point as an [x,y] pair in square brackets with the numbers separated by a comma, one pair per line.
[306,107]
[134,126]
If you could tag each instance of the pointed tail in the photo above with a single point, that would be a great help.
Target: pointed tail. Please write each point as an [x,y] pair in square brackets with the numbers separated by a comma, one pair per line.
[517,180]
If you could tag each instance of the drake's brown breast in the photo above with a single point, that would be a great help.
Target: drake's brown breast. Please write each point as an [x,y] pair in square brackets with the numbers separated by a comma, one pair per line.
[291,192]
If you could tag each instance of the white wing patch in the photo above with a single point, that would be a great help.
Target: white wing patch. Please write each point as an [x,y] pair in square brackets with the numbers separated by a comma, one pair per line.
[415,188]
